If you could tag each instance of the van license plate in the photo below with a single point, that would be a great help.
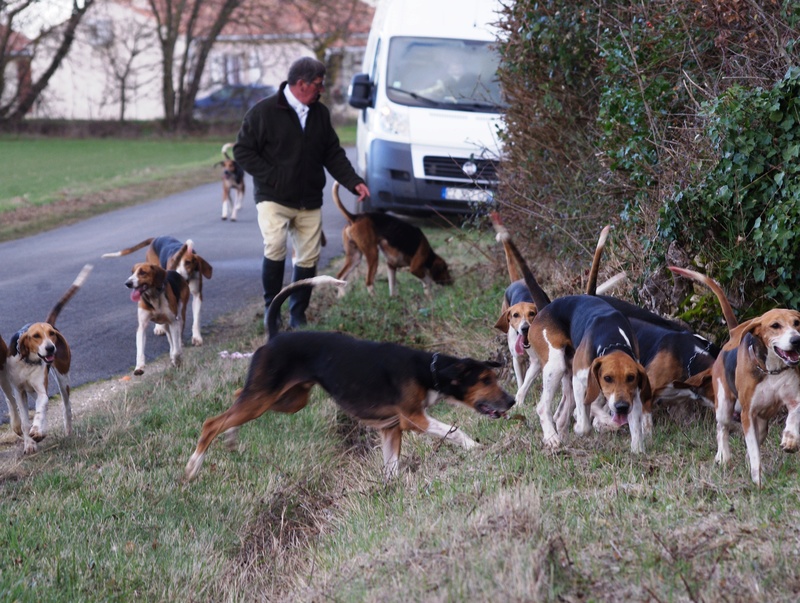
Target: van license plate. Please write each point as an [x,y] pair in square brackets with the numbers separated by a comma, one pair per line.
[475,195]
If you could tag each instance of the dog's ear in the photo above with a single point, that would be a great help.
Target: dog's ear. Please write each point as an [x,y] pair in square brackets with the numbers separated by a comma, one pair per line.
[159,276]
[700,383]
[205,267]
[15,345]
[493,364]
[502,322]
[176,258]
[645,392]
[756,350]
[593,389]
[63,357]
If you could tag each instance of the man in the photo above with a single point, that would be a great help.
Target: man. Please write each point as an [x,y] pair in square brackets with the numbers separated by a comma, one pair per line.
[286,142]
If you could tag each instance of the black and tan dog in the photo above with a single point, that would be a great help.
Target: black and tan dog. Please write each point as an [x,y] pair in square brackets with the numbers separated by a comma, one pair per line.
[384,385]
[232,184]
[34,352]
[757,370]
[162,297]
[171,254]
[403,245]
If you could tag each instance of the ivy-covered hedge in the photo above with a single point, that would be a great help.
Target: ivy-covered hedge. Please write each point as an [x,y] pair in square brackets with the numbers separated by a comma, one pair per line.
[657,117]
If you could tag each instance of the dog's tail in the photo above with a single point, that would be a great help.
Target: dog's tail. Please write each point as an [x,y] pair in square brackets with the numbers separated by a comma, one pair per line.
[129,250]
[336,199]
[540,298]
[275,306]
[225,148]
[73,289]
[591,284]
[727,311]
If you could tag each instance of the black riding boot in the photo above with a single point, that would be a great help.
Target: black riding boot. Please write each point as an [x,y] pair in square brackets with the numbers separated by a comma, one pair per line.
[298,301]
[272,281]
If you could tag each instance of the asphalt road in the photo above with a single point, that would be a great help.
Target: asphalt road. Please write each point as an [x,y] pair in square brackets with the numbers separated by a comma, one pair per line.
[100,321]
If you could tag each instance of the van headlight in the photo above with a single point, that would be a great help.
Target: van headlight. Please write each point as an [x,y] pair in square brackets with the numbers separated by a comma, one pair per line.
[393,121]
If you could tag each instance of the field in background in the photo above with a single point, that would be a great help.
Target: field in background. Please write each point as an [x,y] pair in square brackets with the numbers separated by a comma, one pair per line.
[300,513]
[50,181]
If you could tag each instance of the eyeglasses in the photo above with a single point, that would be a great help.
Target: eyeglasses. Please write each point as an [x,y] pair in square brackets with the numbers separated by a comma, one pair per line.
[318,85]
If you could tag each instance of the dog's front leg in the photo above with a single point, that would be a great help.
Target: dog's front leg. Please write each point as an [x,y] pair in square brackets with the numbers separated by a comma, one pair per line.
[197,301]
[237,204]
[175,343]
[28,443]
[583,425]
[635,424]
[790,440]
[39,427]
[753,449]
[226,202]
[551,377]
[141,340]
[391,439]
[391,272]
[533,371]
[724,414]
[437,429]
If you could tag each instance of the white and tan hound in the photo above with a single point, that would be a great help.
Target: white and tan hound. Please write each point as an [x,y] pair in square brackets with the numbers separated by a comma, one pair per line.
[34,352]
[169,253]
[162,297]
[757,370]
[232,184]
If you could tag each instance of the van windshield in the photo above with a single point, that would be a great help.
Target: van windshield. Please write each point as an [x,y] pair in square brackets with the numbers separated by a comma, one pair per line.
[447,74]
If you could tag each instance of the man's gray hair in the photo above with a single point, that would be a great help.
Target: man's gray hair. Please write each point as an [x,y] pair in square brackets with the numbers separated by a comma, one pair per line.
[307,69]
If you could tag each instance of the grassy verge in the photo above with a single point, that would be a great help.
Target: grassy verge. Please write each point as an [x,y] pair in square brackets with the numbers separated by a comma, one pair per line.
[299,512]
[49,182]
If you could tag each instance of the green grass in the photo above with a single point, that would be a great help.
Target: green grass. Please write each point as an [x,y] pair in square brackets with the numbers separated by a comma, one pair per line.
[300,513]
[42,170]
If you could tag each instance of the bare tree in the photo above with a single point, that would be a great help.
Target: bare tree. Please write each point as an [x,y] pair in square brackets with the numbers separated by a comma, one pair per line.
[17,99]
[187,30]
[121,54]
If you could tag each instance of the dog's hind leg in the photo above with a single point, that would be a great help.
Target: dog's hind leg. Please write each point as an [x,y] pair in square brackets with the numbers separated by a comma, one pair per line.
[63,387]
[249,405]
[391,439]
[226,203]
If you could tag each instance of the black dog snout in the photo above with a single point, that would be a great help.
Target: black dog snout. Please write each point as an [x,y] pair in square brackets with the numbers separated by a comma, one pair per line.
[622,408]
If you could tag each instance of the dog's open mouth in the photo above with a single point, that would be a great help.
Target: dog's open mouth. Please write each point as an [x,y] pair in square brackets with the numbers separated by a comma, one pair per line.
[522,343]
[136,294]
[48,358]
[489,411]
[619,419]
[790,357]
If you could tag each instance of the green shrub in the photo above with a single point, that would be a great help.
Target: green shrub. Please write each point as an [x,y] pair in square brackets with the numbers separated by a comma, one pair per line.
[744,214]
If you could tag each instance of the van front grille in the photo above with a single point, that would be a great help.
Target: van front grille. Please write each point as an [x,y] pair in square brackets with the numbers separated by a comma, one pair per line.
[452,167]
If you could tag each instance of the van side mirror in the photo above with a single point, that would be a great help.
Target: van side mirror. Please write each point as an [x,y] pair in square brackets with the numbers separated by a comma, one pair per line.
[360,93]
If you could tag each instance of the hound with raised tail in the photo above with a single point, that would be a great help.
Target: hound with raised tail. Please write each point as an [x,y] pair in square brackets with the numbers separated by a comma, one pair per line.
[171,254]
[403,245]
[384,385]
[34,352]
[519,309]
[161,296]
[758,368]
[232,183]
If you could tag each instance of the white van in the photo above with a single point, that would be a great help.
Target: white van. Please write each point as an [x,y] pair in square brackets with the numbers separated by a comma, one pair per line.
[428,132]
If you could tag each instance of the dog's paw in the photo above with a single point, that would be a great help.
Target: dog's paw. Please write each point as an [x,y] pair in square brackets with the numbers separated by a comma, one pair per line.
[722,458]
[553,442]
[193,466]
[29,446]
[159,330]
[138,371]
[36,434]
[790,442]
[197,341]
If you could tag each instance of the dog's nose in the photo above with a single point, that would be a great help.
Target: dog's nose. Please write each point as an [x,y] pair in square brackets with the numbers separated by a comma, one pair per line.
[622,408]
[129,284]
[49,349]
[795,342]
